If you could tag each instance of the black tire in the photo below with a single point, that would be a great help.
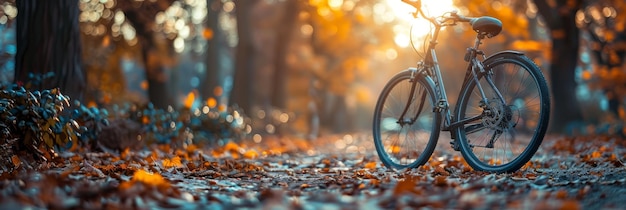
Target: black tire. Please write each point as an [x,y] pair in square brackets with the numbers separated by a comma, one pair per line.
[406,144]
[518,125]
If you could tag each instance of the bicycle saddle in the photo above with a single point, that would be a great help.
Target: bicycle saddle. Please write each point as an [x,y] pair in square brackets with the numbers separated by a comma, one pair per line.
[486,25]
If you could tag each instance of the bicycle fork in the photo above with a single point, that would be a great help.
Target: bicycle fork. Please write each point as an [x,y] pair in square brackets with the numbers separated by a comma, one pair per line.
[402,120]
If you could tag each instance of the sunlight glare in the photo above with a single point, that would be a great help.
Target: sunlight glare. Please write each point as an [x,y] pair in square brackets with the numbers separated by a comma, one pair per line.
[421,27]
[335,4]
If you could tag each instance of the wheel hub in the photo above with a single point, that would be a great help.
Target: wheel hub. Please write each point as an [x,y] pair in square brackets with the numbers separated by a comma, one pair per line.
[404,121]
[499,116]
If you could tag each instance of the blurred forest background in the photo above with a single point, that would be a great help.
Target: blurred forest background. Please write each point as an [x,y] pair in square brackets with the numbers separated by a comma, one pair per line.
[314,65]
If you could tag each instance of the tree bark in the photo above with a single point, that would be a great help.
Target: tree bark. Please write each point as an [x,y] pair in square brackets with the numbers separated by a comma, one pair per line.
[159,93]
[141,17]
[48,40]
[213,61]
[283,39]
[561,19]
[242,92]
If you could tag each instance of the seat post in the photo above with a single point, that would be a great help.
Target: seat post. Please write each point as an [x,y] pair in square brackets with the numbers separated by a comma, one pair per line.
[478,41]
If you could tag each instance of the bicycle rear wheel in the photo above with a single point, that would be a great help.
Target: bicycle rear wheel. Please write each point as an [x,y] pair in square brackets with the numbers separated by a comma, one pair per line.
[505,133]
[406,128]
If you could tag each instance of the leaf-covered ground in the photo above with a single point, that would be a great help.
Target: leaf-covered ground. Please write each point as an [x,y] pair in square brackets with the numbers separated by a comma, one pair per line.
[332,172]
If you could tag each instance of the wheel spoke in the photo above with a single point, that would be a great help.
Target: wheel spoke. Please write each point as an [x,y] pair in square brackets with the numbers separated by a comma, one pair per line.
[509,132]
[404,136]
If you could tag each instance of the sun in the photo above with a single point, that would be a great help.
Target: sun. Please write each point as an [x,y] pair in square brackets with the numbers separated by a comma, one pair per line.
[421,27]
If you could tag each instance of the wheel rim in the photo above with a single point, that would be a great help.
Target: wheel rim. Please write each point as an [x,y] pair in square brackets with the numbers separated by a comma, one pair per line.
[513,125]
[402,141]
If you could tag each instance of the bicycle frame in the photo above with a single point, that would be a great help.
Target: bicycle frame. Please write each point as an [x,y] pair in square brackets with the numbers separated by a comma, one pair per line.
[430,68]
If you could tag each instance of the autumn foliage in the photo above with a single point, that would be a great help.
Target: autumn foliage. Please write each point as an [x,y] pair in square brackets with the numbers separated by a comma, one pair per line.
[117,151]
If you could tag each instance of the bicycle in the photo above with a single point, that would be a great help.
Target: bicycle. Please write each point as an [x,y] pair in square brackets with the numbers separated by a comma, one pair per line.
[501,115]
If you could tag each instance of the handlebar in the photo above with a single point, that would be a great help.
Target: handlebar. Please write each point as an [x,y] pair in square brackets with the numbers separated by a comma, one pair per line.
[453,16]
[417,4]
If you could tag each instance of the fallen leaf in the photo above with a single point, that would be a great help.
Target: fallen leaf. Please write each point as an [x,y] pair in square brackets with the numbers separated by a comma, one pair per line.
[173,162]
[371,165]
[251,154]
[231,147]
[406,185]
[149,178]
[16,161]
[440,181]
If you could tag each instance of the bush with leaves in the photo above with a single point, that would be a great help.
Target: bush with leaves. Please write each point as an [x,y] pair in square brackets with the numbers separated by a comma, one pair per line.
[31,123]
[35,124]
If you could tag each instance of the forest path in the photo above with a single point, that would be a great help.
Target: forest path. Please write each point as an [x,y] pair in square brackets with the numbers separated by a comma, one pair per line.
[332,172]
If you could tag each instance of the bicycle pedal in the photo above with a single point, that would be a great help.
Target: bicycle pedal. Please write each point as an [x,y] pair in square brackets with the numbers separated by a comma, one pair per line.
[454,146]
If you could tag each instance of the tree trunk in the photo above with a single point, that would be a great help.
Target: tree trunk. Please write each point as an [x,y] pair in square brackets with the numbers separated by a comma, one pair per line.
[213,61]
[561,20]
[283,39]
[159,93]
[244,68]
[48,40]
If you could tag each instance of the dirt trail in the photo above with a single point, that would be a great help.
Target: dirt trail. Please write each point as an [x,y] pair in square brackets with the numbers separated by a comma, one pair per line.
[336,172]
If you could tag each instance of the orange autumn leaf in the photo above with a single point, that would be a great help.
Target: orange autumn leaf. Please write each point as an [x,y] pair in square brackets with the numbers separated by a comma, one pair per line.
[125,154]
[16,161]
[191,148]
[181,153]
[596,154]
[126,185]
[406,186]
[440,181]
[173,162]
[605,149]
[215,153]
[231,147]
[250,154]
[441,171]
[154,156]
[149,178]
[371,165]
[613,157]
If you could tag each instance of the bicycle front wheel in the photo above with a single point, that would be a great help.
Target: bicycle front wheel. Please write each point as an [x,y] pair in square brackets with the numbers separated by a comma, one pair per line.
[507,128]
[406,127]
